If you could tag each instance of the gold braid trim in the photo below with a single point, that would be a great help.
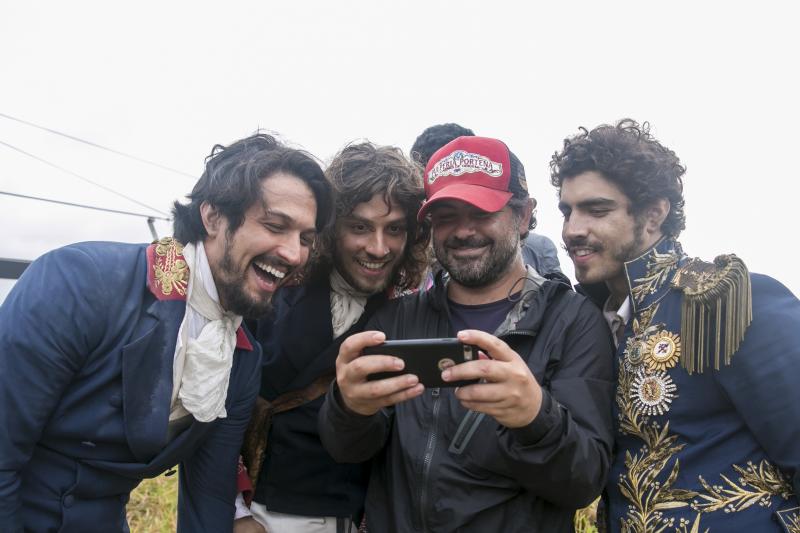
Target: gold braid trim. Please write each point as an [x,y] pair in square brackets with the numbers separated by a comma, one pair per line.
[716,299]
[790,518]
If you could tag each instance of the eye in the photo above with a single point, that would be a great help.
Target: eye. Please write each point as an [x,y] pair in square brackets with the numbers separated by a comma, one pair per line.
[274,228]
[396,229]
[442,217]
[358,227]
[598,213]
[308,240]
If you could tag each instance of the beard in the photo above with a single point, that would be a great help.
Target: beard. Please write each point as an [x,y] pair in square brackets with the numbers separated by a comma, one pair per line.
[230,287]
[618,253]
[479,271]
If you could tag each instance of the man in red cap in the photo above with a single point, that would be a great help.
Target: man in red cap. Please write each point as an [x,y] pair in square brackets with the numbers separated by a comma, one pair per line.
[528,444]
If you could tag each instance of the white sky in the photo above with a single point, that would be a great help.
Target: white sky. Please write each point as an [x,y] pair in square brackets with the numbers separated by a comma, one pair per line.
[167,80]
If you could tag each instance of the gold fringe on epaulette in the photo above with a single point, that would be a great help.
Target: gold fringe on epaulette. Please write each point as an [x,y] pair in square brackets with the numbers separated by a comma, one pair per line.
[716,311]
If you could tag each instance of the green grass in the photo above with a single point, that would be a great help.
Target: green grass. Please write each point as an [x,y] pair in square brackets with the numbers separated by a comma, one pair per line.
[154,503]
[153,506]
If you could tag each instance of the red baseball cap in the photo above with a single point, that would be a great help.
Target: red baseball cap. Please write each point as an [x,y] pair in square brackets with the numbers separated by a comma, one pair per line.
[475,170]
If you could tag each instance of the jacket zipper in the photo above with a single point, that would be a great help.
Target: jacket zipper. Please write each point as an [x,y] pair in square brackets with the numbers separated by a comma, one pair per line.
[426,464]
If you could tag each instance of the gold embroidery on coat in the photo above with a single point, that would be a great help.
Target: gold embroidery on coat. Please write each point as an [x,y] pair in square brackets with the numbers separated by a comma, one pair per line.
[169,268]
[757,484]
[658,268]
[647,497]
[790,519]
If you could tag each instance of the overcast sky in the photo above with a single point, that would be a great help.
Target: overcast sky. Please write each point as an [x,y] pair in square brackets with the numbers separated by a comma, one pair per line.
[168,80]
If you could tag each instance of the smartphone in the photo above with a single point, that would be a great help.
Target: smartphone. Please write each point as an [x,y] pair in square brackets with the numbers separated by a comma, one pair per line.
[426,359]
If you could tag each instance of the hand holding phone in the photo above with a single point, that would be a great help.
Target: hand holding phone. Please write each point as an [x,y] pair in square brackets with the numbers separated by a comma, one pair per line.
[352,369]
[426,359]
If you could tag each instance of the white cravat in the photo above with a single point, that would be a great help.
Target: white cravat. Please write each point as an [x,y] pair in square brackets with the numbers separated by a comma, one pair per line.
[205,345]
[347,304]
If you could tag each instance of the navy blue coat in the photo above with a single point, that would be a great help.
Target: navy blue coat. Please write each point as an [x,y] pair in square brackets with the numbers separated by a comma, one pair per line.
[298,476]
[86,357]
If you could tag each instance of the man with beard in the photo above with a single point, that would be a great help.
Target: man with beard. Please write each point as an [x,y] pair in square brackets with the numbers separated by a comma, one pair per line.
[374,251]
[707,403]
[538,250]
[119,361]
[530,443]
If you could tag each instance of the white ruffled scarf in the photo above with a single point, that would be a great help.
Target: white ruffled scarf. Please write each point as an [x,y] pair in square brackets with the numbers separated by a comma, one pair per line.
[347,304]
[205,345]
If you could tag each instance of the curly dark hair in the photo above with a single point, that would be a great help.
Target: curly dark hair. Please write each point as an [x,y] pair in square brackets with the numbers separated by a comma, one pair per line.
[434,138]
[357,173]
[628,156]
[232,184]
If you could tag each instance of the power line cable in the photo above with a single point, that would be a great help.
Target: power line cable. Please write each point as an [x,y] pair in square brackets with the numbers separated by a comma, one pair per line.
[46,162]
[100,146]
[84,206]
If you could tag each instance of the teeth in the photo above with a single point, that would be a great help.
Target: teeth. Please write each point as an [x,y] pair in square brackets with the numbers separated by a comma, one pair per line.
[580,252]
[371,265]
[270,269]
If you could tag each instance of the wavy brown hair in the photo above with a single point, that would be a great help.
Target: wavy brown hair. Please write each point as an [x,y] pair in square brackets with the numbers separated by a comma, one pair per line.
[628,156]
[357,173]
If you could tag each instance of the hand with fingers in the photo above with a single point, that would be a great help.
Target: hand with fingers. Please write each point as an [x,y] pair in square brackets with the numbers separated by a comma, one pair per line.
[368,397]
[508,391]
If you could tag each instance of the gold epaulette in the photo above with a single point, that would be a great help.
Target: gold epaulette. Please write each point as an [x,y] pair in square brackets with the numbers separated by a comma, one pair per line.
[716,311]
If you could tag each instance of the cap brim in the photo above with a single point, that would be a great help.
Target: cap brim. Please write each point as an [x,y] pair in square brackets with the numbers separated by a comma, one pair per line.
[483,198]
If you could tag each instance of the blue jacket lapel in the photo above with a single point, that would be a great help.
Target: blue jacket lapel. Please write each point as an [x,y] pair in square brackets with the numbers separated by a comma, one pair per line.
[147,364]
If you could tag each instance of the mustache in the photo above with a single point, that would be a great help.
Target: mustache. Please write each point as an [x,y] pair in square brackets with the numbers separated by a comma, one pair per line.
[581,242]
[469,242]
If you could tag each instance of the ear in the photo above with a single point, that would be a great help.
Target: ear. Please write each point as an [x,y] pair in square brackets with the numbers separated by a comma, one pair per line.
[527,213]
[656,214]
[212,219]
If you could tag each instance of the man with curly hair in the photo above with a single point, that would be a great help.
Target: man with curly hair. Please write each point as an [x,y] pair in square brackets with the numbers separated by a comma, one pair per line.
[374,251]
[537,250]
[707,404]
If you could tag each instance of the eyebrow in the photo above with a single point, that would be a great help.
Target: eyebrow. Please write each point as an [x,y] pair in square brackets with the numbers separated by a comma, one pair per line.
[589,203]
[286,219]
[356,218]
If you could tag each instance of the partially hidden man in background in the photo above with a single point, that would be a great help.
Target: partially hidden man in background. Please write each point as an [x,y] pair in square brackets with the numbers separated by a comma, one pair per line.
[707,404]
[538,250]
[374,251]
[119,361]
[520,451]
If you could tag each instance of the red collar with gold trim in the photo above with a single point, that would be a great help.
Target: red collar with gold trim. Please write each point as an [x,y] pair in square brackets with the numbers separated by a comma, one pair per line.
[168,277]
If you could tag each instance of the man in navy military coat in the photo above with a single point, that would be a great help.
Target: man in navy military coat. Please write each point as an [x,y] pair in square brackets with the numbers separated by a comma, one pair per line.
[707,404]
[119,361]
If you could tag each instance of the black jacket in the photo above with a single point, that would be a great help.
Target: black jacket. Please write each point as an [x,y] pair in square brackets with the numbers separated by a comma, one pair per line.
[431,472]
[298,476]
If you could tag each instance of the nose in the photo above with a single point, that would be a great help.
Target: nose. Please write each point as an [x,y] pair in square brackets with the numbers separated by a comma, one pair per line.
[575,226]
[292,251]
[376,246]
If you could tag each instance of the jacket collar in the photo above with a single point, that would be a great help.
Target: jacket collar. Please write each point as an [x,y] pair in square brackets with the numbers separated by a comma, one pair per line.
[650,274]
[168,277]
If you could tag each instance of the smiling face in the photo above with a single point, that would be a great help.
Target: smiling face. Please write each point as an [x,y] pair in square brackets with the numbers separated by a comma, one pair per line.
[370,242]
[274,239]
[600,231]
[475,247]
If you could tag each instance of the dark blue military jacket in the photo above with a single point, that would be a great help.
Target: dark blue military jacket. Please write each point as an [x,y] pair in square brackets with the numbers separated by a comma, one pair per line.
[87,342]
[707,404]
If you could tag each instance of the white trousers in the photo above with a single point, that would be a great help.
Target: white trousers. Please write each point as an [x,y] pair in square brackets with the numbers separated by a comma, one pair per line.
[289,523]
